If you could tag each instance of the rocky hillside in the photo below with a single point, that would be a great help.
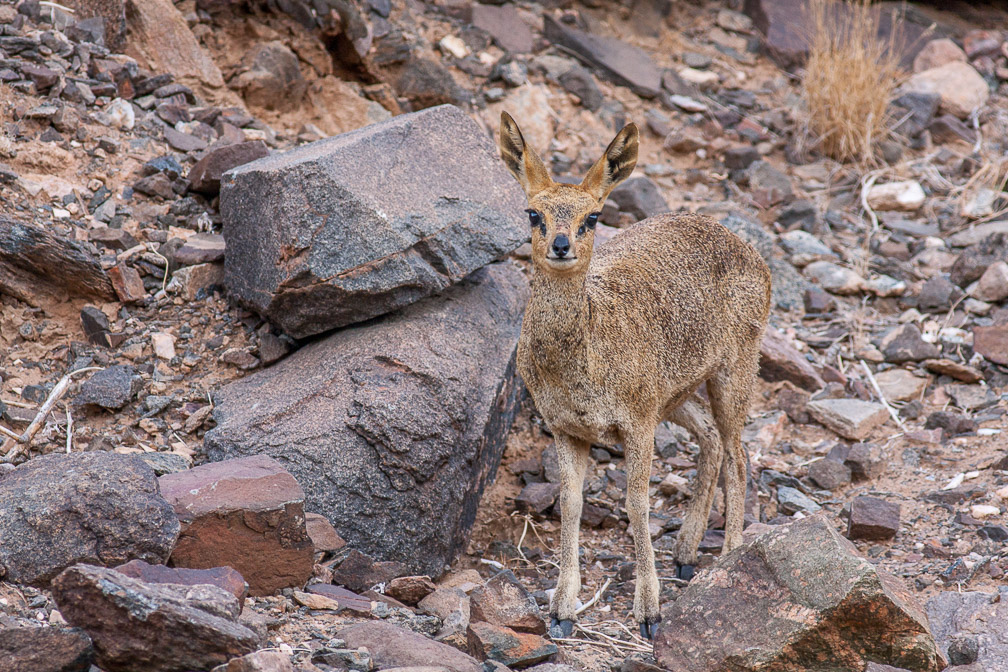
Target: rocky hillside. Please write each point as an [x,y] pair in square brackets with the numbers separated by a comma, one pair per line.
[261,279]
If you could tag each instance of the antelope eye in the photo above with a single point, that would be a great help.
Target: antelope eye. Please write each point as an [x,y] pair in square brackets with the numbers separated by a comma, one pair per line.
[591,220]
[535,219]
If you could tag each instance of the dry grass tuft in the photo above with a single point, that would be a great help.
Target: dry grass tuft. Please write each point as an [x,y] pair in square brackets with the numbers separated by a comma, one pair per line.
[849,80]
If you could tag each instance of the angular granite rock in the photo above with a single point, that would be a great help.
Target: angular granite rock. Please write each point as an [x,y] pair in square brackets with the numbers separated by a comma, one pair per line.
[392,428]
[45,649]
[152,627]
[361,224]
[971,620]
[797,598]
[392,646]
[246,513]
[104,508]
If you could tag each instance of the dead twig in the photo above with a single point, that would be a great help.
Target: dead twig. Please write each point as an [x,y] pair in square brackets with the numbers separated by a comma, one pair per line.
[69,428]
[13,446]
[594,599]
[878,391]
[9,433]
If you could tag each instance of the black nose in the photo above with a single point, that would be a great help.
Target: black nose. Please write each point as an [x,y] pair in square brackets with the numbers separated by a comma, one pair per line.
[561,245]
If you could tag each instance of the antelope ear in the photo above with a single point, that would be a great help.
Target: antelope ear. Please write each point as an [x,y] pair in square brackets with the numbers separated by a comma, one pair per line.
[520,159]
[616,164]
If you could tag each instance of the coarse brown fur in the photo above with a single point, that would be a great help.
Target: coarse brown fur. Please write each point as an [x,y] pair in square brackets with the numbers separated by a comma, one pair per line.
[618,339]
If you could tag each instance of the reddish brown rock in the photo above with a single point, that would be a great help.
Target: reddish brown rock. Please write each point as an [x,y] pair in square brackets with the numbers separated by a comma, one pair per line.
[323,535]
[504,601]
[246,513]
[392,646]
[205,176]
[222,577]
[44,649]
[202,248]
[127,283]
[410,589]
[152,627]
[992,343]
[873,518]
[780,361]
[513,649]
[353,603]
[797,598]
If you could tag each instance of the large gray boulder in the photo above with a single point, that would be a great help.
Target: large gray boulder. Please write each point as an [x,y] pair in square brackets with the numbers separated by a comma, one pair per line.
[361,224]
[798,598]
[101,508]
[392,428]
[972,627]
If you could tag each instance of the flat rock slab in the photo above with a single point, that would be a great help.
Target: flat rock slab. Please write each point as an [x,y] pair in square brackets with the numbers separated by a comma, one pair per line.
[392,428]
[620,61]
[245,513]
[962,620]
[355,226]
[152,627]
[222,577]
[104,508]
[850,418]
[797,598]
[391,646]
[44,649]
[779,360]
[260,661]
[513,649]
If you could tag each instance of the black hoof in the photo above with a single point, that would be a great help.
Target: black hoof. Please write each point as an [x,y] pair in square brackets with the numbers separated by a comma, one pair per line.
[649,628]
[560,629]
[685,572]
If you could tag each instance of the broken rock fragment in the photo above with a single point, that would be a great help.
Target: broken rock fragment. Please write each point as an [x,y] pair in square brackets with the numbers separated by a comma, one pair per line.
[154,627]
[850,418]
[797,598]
[318,239]
[246,513]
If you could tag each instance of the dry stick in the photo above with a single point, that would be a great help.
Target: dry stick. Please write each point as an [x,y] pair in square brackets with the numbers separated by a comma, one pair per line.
[69,430]
[594,599]
[11,444]
[878,391]
[9,433]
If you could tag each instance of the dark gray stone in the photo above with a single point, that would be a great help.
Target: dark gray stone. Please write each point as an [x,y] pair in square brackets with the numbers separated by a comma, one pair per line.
[581,83]
[873,518]
[905,343]
[639,197]
[972,627]
[101,508]
[321,237]
[829,474]
[113,387]
[798,598]
[621,62]
[392,435]
[155,627]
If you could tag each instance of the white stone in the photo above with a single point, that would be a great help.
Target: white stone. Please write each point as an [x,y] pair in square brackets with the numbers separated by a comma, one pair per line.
[834,278]
[981,511]
[885,285]
[961,87]
[993,284]
[705,79]
[121,114]
[907,196]
[981,204]
[163,344]
[687,104]
[454,45]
